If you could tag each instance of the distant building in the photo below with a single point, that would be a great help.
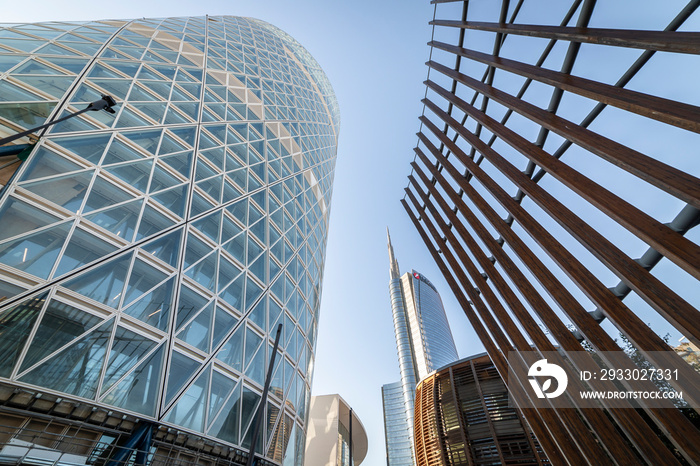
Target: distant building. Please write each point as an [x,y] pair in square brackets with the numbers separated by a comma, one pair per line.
[328,434]
[424,342]
[689,351]
[462,418]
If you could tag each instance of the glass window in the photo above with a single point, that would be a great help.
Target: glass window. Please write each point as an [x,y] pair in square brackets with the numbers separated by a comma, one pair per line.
[36,253]
[180,370]
[15,325]
[190,303]
[190,409]
[154,308]
[66,191]
[76,369]
[128,349]
[198,332]
[104,283]
[82,249]
[120,220]
[232,351]
[139,390]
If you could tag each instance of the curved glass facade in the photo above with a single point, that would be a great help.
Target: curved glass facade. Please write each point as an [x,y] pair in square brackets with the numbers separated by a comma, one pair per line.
[147,256]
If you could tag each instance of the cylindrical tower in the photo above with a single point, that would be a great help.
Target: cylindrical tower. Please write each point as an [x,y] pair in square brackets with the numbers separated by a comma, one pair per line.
[146,257]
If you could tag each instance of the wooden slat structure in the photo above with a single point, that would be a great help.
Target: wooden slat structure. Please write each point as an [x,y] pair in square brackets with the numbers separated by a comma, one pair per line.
[555,184]
[463,419]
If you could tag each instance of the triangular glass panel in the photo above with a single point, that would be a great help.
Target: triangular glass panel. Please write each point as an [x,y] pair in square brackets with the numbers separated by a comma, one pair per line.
[252,343]
[147,139]
[239,210]
[72,65]
[27,114]
[15,325]
[20,218]
[223,324]
[181,369]
[166,248]
[186,134]
[274,268]
[169,145]
[89,147]
[120,220]
[82,249]
[34,67]
[66,191]
[237,246]
[154,110]
[154,307]
[127,350]
[221,387]
[8,61]
[143,277]
[180,162]
[174,199]
[152,222]
[212,187]
[117,88]
[103,283]
[135,174]
[190,409]
[75,370]
[204,271]
[226,425]
[139,390]
[162,179]
[215,156]
[50,49]
[233,294]
[190,303]
[36,253]
[119,152]
[254,250]
[231,352]
[103,194]
[227,272]
[55,86]
[198,332]
[199,204]
[250,401]
[196,249]
[258,314]
[130,119]
[210,225]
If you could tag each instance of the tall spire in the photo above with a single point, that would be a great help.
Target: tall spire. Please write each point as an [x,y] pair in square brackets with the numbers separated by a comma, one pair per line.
[393,263]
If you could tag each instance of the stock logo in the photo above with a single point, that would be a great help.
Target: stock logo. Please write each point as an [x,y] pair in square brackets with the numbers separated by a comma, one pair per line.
[543,369]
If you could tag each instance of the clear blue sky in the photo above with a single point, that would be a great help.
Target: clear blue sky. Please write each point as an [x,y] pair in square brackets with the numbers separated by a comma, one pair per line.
[374,54]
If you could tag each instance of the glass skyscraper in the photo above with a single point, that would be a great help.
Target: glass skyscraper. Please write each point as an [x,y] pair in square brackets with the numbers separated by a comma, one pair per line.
[424,343]
[147,257]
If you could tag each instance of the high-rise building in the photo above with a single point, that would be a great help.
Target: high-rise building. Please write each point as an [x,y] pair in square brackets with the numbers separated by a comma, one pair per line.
[552,186]
[332,422]
[424,343]
[148,256]
[463,417]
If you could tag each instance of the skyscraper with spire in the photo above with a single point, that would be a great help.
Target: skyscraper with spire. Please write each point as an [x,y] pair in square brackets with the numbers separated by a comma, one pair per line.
[424,343]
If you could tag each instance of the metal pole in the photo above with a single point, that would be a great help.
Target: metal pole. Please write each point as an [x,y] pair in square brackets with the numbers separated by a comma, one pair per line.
[105,103]
[263,399]
[350,435]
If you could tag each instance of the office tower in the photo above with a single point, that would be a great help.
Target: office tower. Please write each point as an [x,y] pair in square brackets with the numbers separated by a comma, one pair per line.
[423,341]
[147,257]
[553,188]
[463,417]
[331,423]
